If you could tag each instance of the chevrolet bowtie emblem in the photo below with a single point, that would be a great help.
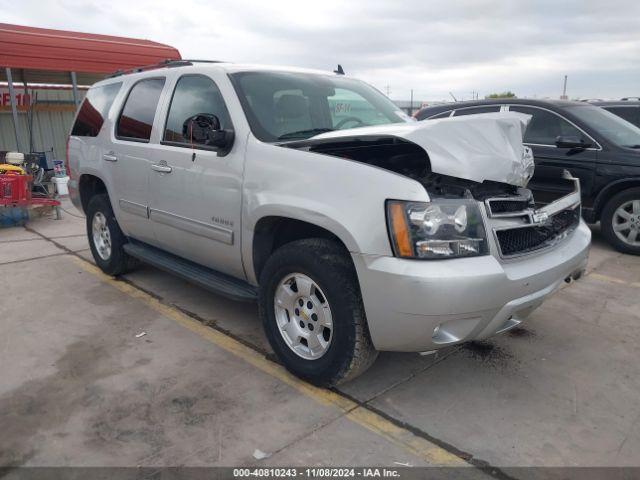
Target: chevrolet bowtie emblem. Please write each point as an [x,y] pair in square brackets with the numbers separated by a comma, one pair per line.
[539,216]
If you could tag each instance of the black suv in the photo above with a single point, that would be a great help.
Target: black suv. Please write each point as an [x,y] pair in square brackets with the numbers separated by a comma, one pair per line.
[627,109]
[598,147]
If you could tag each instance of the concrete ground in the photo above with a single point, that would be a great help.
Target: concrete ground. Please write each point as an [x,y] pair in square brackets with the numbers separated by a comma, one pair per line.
[78,386]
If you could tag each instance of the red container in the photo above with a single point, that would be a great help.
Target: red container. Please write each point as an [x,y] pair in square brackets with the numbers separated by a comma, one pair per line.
[15,189]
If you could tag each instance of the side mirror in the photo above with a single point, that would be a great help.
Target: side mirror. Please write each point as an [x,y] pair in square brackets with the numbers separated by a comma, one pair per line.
[572,142]
[204,129]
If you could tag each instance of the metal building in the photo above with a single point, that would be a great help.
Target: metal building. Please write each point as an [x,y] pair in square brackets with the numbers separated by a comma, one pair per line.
[44,118]
[35,114]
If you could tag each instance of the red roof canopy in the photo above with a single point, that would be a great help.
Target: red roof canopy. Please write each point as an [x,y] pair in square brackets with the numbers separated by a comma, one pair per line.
[45,56]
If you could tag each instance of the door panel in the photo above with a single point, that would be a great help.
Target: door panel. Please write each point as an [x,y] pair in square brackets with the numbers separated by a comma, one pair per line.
[547,183]
[129,156]
[202,229]
[195,207]
[131,185]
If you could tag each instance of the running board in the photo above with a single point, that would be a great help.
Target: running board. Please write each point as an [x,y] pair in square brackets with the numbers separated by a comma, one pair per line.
[192,272]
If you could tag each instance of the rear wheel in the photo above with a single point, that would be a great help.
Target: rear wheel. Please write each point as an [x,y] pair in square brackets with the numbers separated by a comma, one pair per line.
[312,312]
[106,240]
[620,221]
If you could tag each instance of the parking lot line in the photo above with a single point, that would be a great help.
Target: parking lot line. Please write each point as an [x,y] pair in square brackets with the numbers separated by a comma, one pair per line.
[606,278]
[358,414]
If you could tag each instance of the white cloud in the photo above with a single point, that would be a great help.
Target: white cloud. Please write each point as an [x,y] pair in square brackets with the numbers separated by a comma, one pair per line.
[432,47]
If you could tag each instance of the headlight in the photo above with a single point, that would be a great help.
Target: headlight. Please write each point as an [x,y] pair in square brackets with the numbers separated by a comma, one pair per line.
[442,228]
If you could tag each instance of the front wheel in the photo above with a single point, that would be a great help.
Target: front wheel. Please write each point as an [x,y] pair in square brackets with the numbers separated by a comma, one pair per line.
[620,221]
[312,312]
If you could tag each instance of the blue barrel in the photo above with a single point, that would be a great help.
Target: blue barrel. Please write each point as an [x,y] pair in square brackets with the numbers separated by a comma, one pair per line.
[13,216]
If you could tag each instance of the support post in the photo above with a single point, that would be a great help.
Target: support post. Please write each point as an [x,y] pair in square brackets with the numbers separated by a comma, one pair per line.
[74,85]
[411,105]
[29,110]
[14,108]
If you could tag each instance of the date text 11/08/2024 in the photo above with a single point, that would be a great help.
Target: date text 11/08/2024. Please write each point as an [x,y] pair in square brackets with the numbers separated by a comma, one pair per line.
[316,472]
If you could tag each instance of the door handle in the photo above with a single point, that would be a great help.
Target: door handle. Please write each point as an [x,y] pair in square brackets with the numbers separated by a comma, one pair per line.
[161,167]
[109,157]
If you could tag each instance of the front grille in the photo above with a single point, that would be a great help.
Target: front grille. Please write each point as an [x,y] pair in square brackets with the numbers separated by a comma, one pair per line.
[508,206]
[527,239]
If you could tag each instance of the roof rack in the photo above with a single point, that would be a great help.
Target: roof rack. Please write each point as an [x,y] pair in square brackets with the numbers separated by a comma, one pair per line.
[168,63]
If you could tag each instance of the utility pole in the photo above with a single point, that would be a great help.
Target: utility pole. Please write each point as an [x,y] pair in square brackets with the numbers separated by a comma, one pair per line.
[564,89]
[411,103]
[14,108]
[388,88]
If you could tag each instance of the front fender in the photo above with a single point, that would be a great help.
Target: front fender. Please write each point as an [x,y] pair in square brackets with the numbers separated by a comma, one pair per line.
[342,196]
[610,190]
[309,212]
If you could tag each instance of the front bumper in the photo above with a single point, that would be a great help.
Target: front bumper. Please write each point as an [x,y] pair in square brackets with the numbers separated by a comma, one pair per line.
[467,298]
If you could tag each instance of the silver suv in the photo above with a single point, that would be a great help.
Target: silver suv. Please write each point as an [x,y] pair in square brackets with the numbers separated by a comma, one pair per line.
[354,227]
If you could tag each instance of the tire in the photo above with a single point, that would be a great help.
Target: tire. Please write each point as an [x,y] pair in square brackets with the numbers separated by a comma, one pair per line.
[611,217]
[328,265]
[112,261]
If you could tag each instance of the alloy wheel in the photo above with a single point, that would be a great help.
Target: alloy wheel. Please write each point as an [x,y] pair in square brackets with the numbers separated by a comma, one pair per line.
[626,222]
[303,316]
[101,235]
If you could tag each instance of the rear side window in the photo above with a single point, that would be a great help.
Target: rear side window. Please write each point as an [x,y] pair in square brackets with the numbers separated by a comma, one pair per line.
[630,114]
[475,110]
[94,109]
[139,110]
[546,126]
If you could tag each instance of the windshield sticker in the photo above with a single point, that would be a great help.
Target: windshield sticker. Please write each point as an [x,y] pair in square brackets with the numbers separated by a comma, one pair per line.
[342,107]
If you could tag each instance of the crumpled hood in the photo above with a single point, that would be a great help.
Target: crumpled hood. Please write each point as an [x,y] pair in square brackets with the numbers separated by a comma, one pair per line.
[473,147]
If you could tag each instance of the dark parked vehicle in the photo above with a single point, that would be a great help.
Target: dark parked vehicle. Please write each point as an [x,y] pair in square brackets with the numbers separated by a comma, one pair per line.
[627,109]
[598,147]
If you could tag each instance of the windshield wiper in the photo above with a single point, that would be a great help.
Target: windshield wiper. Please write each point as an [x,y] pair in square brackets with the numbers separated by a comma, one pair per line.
[632,146]
[304,133]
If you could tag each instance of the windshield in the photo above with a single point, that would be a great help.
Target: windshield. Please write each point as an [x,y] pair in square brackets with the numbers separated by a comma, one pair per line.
[610,126]
[284,106]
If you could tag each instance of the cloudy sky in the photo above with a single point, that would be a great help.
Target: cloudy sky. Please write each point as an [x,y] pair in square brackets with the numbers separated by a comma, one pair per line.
[432,47]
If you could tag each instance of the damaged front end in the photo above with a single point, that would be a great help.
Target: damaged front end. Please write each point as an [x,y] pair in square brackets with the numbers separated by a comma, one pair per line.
[520,228]
[475,170]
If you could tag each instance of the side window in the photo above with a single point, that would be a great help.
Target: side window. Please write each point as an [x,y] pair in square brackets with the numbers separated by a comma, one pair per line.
[348,109]
[94,109]
[476,110]
[136,119]
[441,115]
[546,126]
[630,114]
[194,94]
